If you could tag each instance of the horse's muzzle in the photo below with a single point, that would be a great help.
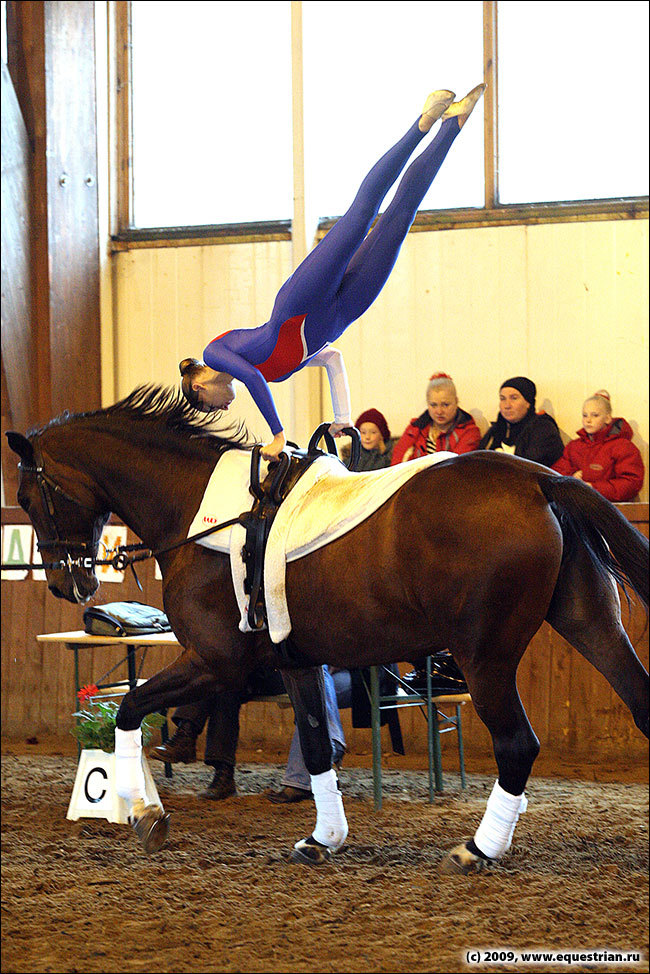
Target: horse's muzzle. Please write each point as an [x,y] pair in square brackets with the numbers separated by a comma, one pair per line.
[75,585]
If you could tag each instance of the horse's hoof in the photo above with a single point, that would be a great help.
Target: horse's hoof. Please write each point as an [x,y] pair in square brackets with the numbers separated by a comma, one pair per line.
[460,861]
[152,828]
[311,851]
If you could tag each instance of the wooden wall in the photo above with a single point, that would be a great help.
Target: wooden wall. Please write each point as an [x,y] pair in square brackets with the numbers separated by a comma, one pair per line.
[50,286]
[571,707]
[566,304]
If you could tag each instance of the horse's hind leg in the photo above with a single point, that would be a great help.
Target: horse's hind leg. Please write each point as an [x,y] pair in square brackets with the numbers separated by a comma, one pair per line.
[586,611]
[492,683]
[183,681]
[306,689]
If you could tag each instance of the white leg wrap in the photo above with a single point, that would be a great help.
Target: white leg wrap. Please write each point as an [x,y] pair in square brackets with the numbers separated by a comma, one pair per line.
[129,776]
[494,834]
[331,824]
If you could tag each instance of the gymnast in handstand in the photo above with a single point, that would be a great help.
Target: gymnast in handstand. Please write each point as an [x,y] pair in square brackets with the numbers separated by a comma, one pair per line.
[333,285]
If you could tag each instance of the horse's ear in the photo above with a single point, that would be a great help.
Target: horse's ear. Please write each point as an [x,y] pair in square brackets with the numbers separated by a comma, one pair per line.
[21,445]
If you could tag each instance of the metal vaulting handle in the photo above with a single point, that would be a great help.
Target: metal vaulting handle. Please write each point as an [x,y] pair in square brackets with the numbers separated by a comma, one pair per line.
[322,432]
[355,447]
[256,487]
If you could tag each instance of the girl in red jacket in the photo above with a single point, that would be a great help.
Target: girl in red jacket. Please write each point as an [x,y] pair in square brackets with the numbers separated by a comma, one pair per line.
[444,425]
[604,455]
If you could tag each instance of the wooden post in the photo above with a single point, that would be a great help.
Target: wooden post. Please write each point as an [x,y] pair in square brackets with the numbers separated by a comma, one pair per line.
[26,63]
[18,354]
[73,229]
[306,384]
[120,28]
[51,57]
[491,110]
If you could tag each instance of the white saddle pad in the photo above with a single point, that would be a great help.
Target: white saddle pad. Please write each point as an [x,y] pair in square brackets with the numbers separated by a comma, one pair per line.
[227,495]
[326,503]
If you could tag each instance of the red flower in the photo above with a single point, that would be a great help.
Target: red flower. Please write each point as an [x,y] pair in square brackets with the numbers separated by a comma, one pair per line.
[87,692]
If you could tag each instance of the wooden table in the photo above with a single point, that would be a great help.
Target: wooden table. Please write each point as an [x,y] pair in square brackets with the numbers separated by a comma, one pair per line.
[82,640]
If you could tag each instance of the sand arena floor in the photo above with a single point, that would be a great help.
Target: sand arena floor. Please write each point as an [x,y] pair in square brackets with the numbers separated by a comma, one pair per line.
[223,896]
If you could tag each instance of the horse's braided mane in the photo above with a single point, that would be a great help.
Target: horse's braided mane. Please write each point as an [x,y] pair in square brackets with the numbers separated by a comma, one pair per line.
[166,406]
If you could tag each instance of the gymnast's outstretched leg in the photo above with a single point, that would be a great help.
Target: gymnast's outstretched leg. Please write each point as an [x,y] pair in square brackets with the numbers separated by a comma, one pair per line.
[316,280]
[372,263]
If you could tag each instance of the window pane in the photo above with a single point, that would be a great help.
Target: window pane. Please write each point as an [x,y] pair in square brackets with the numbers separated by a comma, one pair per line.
[367,71]
[573,101]
[211,112]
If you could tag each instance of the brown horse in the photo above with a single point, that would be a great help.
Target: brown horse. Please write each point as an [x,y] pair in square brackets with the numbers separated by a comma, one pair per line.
[472,554]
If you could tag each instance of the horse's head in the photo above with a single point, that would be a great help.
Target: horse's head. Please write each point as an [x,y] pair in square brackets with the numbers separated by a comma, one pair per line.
[67,516]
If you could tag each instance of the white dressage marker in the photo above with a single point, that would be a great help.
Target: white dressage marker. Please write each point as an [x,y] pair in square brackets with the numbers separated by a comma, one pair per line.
[94,794]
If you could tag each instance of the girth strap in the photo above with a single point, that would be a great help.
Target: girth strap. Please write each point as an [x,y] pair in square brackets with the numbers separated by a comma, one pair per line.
[282,477]
[268,497]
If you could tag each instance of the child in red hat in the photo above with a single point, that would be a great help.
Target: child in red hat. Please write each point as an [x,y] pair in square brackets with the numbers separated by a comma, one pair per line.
[376,446]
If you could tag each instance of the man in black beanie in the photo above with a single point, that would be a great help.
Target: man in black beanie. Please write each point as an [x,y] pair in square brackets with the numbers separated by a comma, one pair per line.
[519,429]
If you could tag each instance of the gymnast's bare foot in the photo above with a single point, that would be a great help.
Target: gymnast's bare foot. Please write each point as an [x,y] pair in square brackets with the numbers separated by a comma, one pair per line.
[434,106]
[463,109]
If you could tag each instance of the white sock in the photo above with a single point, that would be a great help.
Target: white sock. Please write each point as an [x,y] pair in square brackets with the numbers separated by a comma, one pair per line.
[494,835]
[129,776]
[331,824]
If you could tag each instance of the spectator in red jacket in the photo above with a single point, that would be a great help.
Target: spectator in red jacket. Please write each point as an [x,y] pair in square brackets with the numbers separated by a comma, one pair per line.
[443,426]
[603,455]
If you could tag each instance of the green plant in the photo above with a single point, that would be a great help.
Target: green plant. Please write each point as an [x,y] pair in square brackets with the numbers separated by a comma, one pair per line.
[95,727]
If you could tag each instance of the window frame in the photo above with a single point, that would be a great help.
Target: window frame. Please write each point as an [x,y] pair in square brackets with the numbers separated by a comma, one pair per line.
[493,213]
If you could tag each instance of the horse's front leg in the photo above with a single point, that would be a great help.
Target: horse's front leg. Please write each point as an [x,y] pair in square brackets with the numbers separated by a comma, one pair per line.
[306,688]
[183,681]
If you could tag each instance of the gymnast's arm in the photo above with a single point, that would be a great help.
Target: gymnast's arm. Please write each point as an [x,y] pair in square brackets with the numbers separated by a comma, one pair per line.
[332,361]
[222,359]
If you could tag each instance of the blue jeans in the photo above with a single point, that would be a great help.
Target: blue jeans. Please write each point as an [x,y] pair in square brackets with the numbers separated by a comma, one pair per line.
[338,695]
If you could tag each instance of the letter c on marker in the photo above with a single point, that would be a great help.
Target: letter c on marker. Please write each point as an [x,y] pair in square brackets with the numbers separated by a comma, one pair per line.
[89,797]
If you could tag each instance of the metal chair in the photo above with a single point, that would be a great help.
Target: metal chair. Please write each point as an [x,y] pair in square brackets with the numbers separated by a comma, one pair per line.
[438,723]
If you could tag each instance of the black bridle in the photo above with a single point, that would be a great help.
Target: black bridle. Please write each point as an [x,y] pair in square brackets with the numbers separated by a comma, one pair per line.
[76,554]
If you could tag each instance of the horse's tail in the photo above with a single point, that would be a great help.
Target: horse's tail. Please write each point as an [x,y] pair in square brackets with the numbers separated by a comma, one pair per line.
[616,548]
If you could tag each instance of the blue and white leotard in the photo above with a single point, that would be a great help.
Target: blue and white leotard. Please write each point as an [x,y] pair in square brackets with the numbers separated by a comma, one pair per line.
[335,283]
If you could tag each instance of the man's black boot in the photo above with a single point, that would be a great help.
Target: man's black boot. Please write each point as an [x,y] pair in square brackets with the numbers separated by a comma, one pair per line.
[222,784]
[180,748]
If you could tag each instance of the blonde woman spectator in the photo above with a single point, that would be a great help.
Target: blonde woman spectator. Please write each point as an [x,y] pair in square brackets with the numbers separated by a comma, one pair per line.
[443,425]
